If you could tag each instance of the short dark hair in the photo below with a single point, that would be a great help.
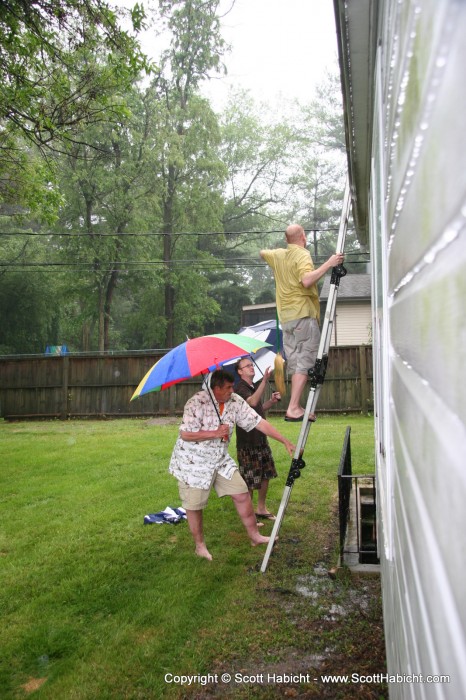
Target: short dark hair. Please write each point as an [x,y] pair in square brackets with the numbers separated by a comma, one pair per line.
[221,377]
[238,362]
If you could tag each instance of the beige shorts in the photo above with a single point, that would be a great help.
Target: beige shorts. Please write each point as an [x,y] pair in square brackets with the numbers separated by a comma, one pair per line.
[301,340]
[196,499]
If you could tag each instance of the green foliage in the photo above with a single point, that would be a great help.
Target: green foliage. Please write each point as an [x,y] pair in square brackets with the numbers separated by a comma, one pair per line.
[120,158]
[231,294]
[138,312]
[196,46]
[255,153]
[191,169]
[49,89]
[123,184]
[28,183]
[28,314]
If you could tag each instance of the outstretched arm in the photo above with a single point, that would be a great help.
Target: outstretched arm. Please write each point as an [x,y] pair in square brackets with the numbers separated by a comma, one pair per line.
[255,399]
[268,429]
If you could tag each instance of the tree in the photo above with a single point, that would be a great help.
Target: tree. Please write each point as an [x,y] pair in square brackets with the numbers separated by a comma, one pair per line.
[48,91]
[320,181]
[28,309]
[28,184]
[103,186]
[323,117]
[190,164]
[255,153]
[117,188]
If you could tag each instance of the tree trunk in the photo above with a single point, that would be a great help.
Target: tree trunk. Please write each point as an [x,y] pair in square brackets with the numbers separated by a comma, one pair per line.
[167,259]
[111,286]
[86,337]
[101,345]
[169,293]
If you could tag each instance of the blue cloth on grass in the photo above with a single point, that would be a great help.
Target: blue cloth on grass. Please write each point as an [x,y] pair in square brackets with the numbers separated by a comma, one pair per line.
[170,515]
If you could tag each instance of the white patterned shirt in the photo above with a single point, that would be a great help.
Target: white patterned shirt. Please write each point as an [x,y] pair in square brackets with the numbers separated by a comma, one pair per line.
[195,463]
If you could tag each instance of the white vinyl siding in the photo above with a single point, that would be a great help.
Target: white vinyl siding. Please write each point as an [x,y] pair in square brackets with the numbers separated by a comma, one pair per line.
[424,568]
[352,325]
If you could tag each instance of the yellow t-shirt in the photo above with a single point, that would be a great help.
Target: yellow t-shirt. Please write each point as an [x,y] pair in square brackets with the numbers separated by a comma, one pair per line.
[289,266]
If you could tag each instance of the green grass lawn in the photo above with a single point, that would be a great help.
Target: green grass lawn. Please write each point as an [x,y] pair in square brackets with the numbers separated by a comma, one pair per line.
[94,604]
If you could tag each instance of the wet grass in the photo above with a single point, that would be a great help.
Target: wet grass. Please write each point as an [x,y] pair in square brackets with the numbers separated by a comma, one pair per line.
[96,605]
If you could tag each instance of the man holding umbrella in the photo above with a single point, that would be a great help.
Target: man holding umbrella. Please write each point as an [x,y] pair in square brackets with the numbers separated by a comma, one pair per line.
[200,458]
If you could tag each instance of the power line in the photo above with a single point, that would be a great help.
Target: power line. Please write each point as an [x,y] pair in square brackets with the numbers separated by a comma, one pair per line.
[176,261]
[139,265]
[83,234]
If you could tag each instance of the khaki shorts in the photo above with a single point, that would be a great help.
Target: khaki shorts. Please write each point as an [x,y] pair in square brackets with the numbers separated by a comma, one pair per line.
[301,340]
[196,499]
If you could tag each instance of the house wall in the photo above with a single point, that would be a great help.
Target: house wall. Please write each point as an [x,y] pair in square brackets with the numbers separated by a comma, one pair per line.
[352,325]
[418,249]
[256,313]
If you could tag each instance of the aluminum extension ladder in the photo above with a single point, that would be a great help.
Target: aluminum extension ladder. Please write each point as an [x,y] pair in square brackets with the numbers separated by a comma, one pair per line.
[316,375]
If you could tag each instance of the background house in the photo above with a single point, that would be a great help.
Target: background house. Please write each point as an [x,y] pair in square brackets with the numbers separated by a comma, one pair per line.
[402,71]
[256,313]
[352,324]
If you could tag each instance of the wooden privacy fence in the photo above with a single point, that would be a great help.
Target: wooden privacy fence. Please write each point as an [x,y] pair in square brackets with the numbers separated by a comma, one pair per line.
[100,385]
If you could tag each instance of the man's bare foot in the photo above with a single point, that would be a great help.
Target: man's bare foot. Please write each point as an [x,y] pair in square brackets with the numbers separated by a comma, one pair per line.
[259,539]
[202,551]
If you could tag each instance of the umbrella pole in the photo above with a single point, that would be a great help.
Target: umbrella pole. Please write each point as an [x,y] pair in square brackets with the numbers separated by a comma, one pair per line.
[259,370]
[214,404]
[211,397]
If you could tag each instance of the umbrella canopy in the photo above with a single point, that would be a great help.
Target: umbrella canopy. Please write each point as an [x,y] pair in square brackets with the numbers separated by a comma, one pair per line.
[267,332]
[196,356]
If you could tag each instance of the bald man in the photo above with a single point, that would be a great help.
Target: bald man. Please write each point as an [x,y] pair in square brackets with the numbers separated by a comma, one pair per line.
[298,308]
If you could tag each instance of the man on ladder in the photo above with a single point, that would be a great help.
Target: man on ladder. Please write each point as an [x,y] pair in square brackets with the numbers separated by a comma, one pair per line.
[298,308]
[316,371]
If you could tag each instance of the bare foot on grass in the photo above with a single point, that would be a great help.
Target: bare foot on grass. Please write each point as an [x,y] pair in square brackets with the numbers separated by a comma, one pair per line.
[259,539]
[202,551]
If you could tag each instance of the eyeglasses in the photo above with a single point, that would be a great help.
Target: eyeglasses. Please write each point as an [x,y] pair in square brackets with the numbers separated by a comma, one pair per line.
[248,365]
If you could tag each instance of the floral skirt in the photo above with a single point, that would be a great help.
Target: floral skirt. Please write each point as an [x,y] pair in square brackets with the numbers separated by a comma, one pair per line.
[256,465]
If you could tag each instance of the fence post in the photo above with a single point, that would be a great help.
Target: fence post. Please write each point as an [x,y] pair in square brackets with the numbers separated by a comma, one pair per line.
[65,381]
[364,382]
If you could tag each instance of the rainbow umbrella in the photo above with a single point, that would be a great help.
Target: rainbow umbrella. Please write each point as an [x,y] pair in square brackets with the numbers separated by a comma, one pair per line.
[194,357]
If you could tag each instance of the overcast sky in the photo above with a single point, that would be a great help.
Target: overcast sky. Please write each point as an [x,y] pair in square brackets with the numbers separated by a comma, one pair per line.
[280,48]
